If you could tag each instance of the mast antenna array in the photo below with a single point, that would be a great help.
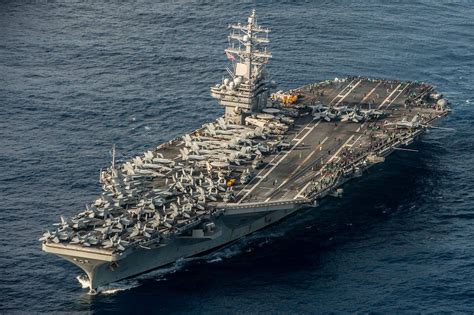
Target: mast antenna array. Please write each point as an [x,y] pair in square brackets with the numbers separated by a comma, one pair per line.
[247,89]
[248,45]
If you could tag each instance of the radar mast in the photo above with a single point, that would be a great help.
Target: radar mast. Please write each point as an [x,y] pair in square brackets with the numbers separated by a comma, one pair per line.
[246,90]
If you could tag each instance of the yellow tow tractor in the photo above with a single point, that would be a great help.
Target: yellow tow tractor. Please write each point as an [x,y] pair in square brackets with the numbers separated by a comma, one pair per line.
[285,98]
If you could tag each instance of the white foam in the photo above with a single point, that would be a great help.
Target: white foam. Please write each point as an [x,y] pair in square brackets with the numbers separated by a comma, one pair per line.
[118,287]
[214,260]
[84,281]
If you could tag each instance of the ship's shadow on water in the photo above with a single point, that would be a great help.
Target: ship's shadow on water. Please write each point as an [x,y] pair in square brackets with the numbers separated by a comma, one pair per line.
[392,191]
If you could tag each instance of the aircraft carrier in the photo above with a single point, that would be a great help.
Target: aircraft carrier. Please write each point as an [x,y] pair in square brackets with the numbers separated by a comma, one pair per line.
[271,154]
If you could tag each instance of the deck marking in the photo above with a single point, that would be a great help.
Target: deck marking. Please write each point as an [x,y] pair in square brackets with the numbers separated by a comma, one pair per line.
[340,149]
[389,96]
[299,166]
[349,92]
[339,95]
[370,93]
[335,154]
[279,161]
[355,141]
[399,92]
[270,163]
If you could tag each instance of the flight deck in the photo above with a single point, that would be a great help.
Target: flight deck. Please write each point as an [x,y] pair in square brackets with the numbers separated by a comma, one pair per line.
[314,144]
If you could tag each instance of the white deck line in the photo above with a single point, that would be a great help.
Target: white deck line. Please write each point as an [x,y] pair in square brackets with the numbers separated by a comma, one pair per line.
[279,161]
[355,141]
[349,92]
[390,95]
[340,149]
[370,93]
[340,93]
[335,154]
[399,93]
[303,177]
[271,161]
[299,166]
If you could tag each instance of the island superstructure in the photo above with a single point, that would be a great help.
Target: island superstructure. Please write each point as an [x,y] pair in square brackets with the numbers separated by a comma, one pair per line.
[270,155]
[247,90]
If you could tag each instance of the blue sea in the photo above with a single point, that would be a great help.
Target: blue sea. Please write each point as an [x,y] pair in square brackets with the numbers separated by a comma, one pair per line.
[79,76]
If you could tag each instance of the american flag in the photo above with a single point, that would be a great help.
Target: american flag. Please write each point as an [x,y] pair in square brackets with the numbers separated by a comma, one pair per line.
[229,56]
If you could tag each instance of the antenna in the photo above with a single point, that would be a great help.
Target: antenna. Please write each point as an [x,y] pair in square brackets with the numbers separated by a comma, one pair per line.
[247,50]
[230,73]
[113,156]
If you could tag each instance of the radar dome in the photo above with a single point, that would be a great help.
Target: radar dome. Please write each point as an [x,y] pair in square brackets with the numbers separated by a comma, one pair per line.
[442,102]
[237,81]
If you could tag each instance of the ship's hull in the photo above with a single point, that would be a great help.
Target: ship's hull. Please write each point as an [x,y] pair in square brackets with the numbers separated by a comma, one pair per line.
[230,227]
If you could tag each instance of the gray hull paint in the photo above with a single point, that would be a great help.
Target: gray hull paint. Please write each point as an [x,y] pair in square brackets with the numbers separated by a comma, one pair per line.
[141,260]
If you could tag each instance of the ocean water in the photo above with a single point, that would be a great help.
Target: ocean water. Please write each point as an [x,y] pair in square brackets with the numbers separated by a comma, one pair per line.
[79,76]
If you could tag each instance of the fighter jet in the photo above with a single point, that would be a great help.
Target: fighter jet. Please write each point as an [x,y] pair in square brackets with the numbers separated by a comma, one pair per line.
[371,113]
[190,157]
[405,124]
[352,116]
[115,242]
[140,229]
[49,236]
